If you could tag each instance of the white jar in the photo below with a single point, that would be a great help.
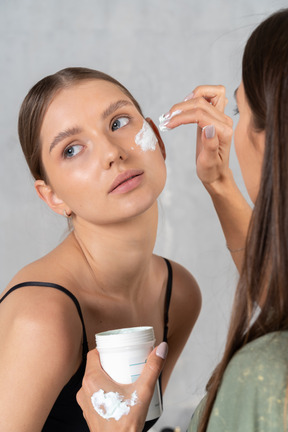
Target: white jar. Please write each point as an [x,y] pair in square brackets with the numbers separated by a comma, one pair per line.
[123,354]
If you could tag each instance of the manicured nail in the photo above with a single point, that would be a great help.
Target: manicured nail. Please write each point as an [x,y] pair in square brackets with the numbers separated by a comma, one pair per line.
[169,116]
[189,96]
[162,350]
[164,117]
[163,126]
[209,131]
[174,113]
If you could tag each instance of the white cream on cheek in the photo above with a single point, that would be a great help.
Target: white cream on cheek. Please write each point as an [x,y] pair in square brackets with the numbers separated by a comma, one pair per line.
[146,138]
[112,404]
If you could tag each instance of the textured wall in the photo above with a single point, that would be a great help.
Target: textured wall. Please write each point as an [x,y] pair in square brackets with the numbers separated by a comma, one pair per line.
[159,49]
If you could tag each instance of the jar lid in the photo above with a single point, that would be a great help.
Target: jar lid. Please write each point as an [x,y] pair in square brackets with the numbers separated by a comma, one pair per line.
[125,336]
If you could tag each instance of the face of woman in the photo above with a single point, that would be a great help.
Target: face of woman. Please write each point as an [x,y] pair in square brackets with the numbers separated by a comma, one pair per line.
[249,146]
[95,167]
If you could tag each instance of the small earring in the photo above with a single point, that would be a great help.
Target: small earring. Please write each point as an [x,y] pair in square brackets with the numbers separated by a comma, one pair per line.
[66,215]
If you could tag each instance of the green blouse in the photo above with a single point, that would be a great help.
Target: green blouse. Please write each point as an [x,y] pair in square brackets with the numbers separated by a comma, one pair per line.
[253,396]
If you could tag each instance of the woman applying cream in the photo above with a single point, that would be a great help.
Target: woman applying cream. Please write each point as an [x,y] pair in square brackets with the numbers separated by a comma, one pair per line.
[248,389]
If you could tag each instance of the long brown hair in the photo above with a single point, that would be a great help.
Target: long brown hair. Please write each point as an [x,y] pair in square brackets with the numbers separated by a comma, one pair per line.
[265,270]
[35,105]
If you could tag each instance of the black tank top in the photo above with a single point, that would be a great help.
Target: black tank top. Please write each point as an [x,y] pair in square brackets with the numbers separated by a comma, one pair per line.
[66,415]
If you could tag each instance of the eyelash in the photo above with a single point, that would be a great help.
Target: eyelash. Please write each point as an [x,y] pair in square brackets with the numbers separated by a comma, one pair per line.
[70,146]
[235,111]
[125,116]
[65,151]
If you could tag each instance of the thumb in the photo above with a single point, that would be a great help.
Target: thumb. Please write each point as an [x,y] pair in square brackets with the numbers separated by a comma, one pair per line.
[209,137]
[146,382]
[210,146]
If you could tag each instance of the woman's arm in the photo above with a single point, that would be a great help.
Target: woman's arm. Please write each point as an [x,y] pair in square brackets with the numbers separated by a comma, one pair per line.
[234,214]
[37,356]
[205,106]
[96,379]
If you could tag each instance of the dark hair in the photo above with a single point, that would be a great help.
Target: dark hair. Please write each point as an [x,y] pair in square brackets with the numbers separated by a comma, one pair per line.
[264,274]
[35,105]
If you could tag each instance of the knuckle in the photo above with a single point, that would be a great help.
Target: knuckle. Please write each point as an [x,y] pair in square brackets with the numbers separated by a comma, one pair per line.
[174,107]
[221,89]
[229,121]
[202,102]
[88,381]
[154,367]
[197,90]
[213,146]
[227,133]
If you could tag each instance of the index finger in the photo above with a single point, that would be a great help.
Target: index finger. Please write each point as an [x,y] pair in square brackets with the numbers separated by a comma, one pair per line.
[215,94]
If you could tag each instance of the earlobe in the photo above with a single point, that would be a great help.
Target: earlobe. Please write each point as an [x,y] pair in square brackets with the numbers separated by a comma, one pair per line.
[159,139]
[45,192]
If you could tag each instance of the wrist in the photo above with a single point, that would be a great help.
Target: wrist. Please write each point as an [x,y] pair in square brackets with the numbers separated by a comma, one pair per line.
[222,186]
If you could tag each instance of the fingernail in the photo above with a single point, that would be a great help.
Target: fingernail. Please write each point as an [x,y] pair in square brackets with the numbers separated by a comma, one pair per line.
[189,96]
[163,126]
[164,117]
[209,131]
[162,350]
[174,113]
[169,116]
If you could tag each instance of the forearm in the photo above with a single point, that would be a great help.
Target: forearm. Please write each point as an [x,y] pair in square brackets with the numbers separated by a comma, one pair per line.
[234,214]
[205,106]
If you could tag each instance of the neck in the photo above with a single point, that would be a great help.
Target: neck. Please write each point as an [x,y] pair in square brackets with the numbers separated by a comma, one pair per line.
[118,255]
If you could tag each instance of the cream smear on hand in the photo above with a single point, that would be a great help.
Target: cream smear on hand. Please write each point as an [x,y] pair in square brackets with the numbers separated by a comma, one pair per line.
[165,118]
[146,138]
[112,404]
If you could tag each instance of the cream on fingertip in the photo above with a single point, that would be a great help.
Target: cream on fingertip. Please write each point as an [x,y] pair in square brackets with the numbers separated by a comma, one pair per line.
[168,116]
[164,117]
[174,113]
[163,127]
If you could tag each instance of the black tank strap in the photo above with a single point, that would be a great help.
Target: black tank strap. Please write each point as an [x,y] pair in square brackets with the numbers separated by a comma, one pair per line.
[167,299]
[60,288]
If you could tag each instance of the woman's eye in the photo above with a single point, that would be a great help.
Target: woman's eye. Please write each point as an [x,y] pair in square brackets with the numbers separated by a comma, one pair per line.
[72,151]
[236,110]
[120,122]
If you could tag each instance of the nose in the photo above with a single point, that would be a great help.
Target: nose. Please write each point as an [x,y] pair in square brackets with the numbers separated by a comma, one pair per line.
[112,153]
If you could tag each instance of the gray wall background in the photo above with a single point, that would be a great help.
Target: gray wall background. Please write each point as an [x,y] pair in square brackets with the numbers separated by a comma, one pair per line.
[159,49]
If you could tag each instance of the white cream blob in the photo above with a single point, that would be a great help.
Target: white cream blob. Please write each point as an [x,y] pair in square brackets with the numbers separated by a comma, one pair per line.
[165,118]
[146,138]
[112,404]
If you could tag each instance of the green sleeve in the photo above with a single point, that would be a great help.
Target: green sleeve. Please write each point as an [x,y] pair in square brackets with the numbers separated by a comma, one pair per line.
[252,395]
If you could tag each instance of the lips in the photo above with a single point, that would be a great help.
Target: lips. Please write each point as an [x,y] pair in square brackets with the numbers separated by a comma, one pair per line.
[123,178]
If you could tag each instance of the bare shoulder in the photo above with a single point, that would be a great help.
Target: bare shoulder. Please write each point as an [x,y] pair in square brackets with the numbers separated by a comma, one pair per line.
[43,309]
[42,335]
[44,314]
[186,292]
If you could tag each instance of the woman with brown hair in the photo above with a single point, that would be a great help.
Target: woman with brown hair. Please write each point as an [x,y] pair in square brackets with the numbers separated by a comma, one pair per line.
[100,163]
[248,390]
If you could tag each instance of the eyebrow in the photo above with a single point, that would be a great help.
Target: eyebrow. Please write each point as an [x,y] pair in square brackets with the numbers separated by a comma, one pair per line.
[64,134]
[114,106]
